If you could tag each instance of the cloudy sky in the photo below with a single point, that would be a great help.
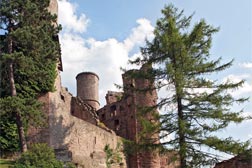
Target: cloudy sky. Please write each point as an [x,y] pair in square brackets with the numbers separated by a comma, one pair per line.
[101,36]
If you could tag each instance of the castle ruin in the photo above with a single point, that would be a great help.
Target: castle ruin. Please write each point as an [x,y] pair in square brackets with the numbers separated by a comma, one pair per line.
[78,129]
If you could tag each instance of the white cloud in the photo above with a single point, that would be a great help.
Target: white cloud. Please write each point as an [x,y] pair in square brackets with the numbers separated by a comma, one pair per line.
[143,31]
[68,18]
[247,114]
[245,89]
[247,65]
[102,57]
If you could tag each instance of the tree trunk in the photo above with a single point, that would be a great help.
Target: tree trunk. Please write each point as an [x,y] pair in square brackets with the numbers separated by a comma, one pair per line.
[21,133]
[182,143]
[181,126]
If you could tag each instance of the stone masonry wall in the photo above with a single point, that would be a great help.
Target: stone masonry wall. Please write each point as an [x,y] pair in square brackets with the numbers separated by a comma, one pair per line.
[121,117]
[83,111]
[72,138]
[121,114]
[240,161]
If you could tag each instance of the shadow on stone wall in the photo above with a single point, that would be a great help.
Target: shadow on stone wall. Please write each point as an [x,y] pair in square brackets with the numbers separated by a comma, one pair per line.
[83,111]
[59,132]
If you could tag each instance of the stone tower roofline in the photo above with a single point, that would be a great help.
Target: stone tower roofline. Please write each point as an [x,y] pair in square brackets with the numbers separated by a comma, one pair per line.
[88,88]
[86,73]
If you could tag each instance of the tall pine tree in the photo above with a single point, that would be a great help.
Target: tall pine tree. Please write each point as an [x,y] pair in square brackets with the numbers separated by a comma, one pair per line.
[196,107]
[29,53]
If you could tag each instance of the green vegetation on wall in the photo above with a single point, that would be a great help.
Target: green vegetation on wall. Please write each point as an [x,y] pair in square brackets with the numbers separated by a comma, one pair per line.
[113,156]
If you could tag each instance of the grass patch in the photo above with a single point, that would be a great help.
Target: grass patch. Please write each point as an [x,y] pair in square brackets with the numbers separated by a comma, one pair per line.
[4,163]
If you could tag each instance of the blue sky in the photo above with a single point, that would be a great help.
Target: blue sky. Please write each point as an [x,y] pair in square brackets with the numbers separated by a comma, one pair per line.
[101,37]
[116,18]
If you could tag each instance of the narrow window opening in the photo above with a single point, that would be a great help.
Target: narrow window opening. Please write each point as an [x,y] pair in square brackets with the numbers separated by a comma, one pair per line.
[117,125]
[103,117]
[62,97]
[113,111]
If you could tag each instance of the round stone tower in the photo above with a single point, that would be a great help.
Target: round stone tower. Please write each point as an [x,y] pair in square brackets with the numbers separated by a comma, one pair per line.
[87,88]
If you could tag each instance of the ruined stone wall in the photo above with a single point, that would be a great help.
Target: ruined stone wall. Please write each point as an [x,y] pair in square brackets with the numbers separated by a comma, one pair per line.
[122,117]
[72,138]
[82,140]
[146,96]
[240,161]
[118,116]
[79,140]
[41,134]
[112,97]
[53,8]
[168,160]
[83,111]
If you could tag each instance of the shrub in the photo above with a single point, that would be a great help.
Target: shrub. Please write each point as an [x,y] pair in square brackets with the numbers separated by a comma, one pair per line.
[113,156]
[39,156]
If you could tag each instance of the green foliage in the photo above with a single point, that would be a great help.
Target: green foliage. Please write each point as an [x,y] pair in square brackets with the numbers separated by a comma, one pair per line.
[113,156]
[39,156]
[129,147]
[149,127]
[142,146]
[6,163]
[28,108]
[35,47]
[30,44]
[196,107]
[31,115]
[9,137]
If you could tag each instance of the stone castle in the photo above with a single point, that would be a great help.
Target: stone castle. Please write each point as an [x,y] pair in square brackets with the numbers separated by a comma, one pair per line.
[78,129]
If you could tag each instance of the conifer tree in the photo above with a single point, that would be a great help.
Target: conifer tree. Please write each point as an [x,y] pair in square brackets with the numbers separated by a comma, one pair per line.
[29,54]
[196,107]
